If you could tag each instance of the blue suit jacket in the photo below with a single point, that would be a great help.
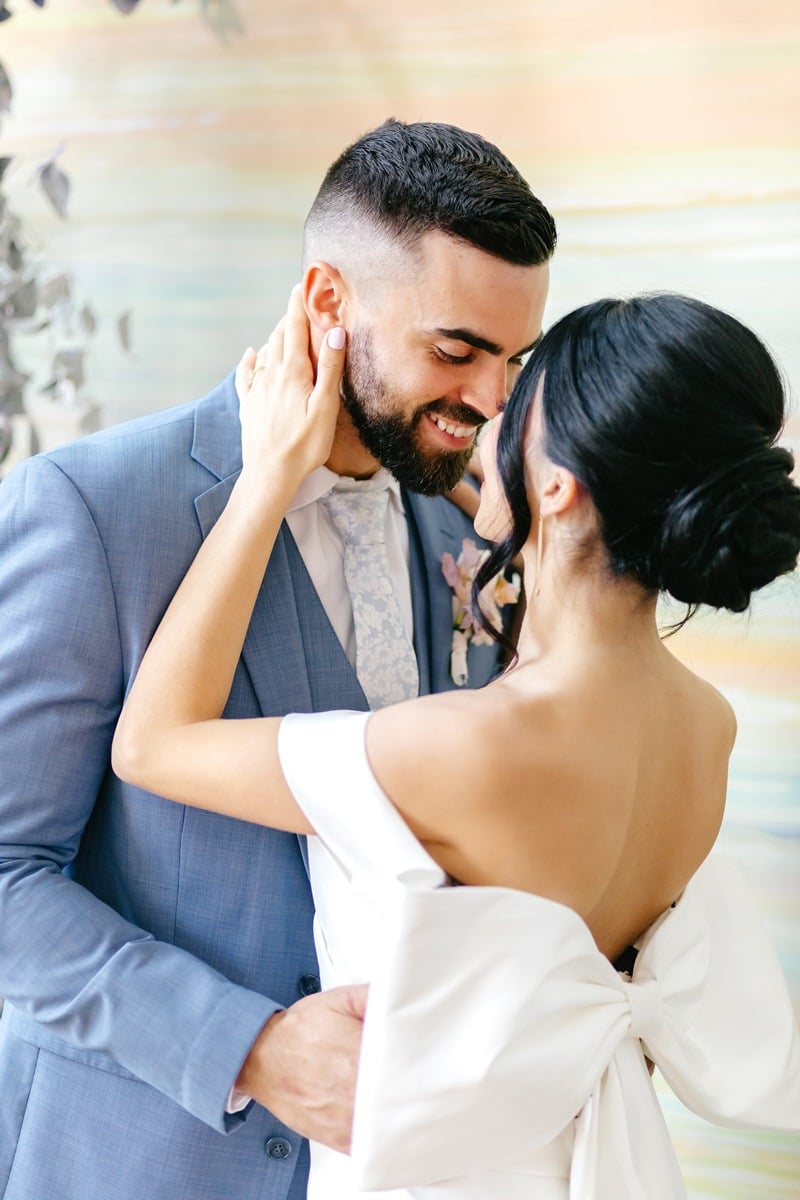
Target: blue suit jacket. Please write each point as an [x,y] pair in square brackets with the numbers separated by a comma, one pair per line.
[143,945]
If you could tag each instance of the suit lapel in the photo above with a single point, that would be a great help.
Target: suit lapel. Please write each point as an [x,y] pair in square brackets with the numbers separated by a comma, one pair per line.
[273,650]
[333,681]
[435,526]
[431,599]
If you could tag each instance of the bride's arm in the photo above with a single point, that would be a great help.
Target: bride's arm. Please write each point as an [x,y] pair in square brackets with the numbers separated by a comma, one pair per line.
[170,739]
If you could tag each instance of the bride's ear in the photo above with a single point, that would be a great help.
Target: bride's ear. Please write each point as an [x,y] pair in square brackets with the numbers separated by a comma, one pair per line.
[560,491]
[325,297]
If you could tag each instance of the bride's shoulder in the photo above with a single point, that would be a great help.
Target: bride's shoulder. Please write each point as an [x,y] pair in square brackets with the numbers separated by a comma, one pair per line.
[445,759]
[709,710]
[470,729]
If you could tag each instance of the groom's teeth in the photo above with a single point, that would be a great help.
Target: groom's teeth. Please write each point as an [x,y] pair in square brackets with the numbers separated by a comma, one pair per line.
[462,431]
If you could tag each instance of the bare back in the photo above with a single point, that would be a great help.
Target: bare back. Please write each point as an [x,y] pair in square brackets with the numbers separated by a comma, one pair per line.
[602,788]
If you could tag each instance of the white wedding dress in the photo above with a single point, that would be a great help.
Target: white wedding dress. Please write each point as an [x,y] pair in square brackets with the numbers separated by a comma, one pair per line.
[503,1055]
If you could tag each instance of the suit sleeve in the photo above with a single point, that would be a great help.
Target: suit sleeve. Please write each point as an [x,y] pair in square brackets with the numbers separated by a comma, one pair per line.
[67,960]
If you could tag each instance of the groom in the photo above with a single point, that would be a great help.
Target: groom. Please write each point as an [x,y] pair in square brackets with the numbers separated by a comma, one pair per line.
[157,963]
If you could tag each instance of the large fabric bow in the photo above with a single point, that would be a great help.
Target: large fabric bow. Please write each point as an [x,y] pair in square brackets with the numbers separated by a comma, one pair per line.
[495,1023]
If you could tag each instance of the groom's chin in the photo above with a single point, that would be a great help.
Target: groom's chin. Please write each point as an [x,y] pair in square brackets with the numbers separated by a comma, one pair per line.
[432,476]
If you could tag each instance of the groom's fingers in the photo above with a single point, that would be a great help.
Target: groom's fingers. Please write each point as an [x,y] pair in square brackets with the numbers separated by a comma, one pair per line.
[303,1064]
[353,999]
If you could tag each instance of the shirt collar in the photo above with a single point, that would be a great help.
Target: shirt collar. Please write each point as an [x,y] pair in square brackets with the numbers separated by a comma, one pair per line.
[322,480]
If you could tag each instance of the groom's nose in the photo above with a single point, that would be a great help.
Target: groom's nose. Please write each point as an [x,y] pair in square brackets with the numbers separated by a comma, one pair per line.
[486,388]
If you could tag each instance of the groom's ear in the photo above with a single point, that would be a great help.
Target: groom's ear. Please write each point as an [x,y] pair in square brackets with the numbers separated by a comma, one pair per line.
[324,296]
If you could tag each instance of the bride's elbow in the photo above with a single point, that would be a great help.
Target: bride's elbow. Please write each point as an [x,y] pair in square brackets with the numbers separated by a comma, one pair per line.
[130,757]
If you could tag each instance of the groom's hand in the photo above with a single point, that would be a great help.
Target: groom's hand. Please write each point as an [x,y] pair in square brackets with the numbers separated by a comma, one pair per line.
[303,1064]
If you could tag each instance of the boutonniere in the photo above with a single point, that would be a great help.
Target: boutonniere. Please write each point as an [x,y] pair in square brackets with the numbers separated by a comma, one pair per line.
[460,573]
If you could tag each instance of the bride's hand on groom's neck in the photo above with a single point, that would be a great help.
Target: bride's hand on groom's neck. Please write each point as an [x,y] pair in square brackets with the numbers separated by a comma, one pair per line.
[288,409]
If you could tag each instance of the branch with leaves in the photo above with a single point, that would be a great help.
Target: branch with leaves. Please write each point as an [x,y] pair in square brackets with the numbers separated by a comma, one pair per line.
[220,15]
[36,298]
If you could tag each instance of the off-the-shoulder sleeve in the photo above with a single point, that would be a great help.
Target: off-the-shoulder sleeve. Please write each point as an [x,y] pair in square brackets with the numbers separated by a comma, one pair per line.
[324,759]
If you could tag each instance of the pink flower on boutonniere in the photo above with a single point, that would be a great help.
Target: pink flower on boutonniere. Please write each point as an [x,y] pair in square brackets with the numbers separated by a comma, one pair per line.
[460,573]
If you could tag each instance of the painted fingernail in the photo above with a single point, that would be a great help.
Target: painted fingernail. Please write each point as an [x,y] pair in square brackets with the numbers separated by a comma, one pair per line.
[337,338]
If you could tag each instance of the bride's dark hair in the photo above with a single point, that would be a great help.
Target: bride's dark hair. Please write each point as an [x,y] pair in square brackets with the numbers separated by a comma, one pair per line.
[667,411]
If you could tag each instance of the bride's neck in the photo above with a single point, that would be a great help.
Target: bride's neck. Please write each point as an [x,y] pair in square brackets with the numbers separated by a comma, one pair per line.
[577,609]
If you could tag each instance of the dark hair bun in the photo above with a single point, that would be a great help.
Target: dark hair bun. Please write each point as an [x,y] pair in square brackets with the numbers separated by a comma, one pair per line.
[668,412]
[733,533]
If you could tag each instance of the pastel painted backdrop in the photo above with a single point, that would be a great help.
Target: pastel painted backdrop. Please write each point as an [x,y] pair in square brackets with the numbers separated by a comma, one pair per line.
[664,136]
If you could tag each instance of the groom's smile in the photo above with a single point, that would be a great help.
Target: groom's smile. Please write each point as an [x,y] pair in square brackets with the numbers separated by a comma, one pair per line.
[433,354]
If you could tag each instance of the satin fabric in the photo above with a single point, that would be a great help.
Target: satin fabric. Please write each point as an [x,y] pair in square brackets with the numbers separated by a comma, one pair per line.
[503,1055]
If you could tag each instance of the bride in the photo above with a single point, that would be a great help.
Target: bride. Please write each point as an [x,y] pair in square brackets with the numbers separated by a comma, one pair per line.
[579,794]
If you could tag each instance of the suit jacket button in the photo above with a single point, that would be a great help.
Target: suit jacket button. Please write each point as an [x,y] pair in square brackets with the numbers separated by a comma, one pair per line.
[309,985]
[278,1147]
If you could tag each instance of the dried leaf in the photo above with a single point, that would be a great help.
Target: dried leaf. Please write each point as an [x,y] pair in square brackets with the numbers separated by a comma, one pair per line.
[14,256]
[55,185]
[124,330]
[45,323]
[6,436]
[9,375]
[56,290]
[12,383]
[14,227]
[88,320]
[24,300]
[68,364]
[6,90]
[221,17]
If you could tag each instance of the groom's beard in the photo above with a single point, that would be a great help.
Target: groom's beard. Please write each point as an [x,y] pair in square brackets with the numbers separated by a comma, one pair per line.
[391,436]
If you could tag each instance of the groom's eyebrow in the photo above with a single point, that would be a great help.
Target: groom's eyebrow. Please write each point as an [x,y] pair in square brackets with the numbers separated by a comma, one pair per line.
[481,343]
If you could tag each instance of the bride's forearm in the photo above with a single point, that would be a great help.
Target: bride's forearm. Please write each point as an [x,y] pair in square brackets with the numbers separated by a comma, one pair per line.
[187,672]
[169,739]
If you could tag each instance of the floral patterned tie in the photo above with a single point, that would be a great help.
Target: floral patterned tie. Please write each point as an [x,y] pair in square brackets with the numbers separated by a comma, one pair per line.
[386,665]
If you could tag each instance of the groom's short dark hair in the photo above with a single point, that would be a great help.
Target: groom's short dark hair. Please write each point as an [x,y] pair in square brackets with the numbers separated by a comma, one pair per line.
[407,180]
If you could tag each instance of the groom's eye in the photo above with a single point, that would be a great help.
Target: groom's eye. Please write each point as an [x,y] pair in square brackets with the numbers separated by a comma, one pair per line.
[453,358]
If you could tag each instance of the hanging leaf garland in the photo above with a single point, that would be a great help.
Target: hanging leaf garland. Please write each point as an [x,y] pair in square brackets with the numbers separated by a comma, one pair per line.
[124,330]
[88,320]
[6,90]
[6,436]
[56,186]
